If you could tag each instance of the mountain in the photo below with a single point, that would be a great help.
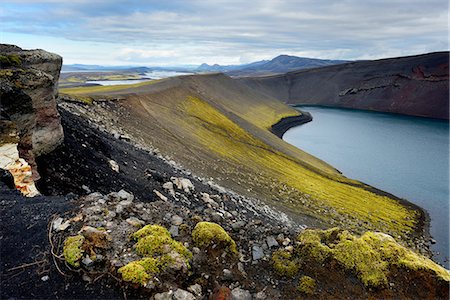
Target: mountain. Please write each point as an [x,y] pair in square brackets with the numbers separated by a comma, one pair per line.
[278,65]
[283,64]
[218,68]
[414,85]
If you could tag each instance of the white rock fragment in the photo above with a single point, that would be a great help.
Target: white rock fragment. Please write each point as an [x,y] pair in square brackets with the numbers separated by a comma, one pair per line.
[196,289]
[168,186]
[207,199]
[160,196]
[183,295]
[114,166]
[58,224]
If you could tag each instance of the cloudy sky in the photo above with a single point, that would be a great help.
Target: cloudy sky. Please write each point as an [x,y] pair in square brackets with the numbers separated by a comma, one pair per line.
[223,31]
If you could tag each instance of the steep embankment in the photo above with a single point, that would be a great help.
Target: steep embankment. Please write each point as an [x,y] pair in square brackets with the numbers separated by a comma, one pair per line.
[220,128]
[414,85]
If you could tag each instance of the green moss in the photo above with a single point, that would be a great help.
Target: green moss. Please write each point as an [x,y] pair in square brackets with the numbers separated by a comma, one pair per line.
[134,273]
[306,285]
[156,240]
[156,245]
[147,230]
[285,264]
[207,234]
[370,256]
[10,60]
[73,251]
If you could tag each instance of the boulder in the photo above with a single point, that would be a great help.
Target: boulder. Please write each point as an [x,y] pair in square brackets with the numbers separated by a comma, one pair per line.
[28,91]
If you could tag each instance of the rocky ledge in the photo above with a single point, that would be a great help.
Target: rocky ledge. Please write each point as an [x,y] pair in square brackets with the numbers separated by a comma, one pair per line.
[28,90]
[280,128]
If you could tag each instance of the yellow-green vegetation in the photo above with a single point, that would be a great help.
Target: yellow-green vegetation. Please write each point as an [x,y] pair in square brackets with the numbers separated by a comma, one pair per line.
[370,256]
[79,98]
[285,264]
[73,250]
[156,240]
[306,285]
[156,245]
[134,273]
[89,90]
[334,195]
[10,60]
[207,234]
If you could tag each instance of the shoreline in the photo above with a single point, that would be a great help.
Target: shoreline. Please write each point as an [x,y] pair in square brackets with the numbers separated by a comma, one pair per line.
[284,124]
[424,221]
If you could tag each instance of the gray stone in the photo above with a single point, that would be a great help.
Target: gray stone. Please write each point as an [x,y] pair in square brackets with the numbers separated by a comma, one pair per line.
[177,220]
[87,261]
[237,225]
[257,252]
[122,194]
[183,295]
[133,221]
[227,274]
[164,296]
[260,296]
[271,242]
[196,289]
[174,230]
[240,294]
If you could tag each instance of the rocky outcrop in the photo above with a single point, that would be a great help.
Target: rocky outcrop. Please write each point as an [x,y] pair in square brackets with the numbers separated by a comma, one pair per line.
[414,85]
[28,90]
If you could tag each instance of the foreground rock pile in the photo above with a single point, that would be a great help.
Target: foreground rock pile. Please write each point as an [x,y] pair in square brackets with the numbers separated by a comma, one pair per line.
[166,250]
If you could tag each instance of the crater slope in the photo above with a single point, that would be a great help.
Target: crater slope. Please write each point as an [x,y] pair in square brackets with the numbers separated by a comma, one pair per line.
[220,128]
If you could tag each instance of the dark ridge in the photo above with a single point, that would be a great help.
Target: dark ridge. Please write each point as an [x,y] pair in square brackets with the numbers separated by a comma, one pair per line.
[280,128]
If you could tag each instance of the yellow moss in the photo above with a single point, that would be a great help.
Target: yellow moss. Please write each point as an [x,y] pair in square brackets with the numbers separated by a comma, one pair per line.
[151,265]
[156,240]
[134,273]
[206,234]
[306,285]
[73,251]
[370,256]
[285,264]
[156,230]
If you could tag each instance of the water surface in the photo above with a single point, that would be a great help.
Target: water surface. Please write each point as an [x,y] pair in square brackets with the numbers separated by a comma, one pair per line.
[153,75]
[405,156]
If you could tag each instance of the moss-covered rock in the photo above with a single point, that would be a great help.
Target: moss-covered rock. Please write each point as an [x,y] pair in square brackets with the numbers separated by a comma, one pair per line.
[156,240]
[285,264]
[370,256]
[207,234]
[10,60]
[306,285]
[73,250]
[160,253]
[134,273]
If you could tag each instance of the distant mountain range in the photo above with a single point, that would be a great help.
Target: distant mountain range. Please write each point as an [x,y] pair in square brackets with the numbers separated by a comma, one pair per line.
[278,65]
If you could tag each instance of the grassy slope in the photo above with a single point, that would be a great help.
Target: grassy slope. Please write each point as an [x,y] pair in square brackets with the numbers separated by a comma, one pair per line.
[218,128]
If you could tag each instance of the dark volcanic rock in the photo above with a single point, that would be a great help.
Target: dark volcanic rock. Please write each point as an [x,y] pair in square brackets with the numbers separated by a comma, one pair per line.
[414,85]
[28,89]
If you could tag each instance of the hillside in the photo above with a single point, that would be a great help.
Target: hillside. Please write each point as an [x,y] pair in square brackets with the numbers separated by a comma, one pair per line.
[413,85]
[219,128]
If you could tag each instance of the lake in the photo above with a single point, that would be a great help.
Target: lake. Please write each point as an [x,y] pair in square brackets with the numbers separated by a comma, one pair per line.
[405,156]
[153,75]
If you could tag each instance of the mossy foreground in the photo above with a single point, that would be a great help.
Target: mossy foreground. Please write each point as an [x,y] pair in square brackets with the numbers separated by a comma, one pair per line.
[372,257]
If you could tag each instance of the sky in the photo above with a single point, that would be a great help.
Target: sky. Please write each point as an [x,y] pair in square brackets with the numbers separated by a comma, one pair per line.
[170,33]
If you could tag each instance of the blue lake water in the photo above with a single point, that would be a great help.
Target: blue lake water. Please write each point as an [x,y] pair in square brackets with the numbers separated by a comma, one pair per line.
[148,76]
[405,156]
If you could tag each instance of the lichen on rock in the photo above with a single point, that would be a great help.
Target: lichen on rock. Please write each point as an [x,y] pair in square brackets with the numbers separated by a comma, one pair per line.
[161,253]
[371,256]
[306,285]
[73,250]
[285,264]
[207,234]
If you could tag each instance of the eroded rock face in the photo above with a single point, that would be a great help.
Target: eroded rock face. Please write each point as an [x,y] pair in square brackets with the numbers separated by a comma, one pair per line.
[28,90]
